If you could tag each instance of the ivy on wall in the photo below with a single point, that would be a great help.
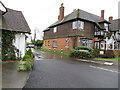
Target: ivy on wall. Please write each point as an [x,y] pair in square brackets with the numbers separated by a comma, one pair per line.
[9,51]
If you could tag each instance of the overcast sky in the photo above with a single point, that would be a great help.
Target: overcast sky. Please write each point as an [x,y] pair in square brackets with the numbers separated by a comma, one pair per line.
[42,13]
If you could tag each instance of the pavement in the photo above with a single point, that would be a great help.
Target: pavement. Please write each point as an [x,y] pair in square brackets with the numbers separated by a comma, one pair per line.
[11,78]
[56,71]
[99,61]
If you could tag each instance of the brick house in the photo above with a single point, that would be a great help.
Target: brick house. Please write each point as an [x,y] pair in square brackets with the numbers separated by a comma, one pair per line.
[79,28]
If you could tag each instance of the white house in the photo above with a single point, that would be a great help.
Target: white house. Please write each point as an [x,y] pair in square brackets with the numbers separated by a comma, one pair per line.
[14,21]
[112,37]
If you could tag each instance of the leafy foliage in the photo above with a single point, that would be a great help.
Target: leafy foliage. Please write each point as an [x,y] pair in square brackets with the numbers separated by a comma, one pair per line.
[82,52]
[27,61]
[84,48]
[117,53]
[38,43]
[29,53]
[107,53]
[8,49]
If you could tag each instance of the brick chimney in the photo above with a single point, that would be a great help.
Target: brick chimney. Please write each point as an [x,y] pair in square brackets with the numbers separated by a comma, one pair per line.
[74,10]
[61,13]
[110,18]
[102,14]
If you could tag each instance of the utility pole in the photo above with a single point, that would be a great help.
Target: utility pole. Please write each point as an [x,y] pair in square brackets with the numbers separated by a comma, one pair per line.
[34,36]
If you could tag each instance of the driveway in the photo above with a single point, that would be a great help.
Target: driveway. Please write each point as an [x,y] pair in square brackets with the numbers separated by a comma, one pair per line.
[55,71]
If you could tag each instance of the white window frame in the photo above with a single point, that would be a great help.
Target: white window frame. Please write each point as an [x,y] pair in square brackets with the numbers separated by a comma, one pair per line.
[106,26]
[86,42]
[55,29]
[79,25]
[55,44]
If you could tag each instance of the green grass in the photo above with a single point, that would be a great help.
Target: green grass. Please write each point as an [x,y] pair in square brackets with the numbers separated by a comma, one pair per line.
[67,54]
[112,59]
[56,52]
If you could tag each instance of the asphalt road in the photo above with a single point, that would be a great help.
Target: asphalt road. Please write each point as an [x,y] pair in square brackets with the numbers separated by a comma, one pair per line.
[56,72]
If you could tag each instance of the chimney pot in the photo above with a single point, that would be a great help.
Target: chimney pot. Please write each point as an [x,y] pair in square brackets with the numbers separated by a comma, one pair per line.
[74,10]
[102,14]
[110,18]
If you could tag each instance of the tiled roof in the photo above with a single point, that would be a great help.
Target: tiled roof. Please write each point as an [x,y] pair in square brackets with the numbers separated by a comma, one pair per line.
[115,25]
[81,15]
[14,21]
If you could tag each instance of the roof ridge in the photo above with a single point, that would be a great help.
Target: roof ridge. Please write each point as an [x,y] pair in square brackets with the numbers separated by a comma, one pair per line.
[13,10]
[90,13]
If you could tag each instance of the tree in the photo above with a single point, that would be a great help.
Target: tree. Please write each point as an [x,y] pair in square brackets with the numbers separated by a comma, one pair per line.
[39,43]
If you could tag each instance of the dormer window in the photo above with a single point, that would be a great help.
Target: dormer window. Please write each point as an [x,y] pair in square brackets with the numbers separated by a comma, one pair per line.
[106,26]
[55,29]
[78,25]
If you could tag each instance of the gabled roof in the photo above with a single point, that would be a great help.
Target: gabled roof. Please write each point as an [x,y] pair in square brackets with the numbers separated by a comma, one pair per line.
[115,25]
[14,21]
[80,14]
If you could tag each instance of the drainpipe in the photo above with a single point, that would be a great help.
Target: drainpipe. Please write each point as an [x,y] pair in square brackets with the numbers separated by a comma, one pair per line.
[106,42]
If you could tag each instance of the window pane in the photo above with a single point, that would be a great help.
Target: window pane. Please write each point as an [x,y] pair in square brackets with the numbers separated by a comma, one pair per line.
[54,44]
[74,25]
[48,43]
[86,42]
[55,29]
[78,25]
[106,26]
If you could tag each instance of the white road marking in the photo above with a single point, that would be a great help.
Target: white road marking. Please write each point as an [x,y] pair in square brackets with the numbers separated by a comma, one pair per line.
[92,61]
[104,69]
[108,63]
[105,63]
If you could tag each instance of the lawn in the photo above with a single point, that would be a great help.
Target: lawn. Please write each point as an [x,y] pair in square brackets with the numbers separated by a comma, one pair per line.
[56,52]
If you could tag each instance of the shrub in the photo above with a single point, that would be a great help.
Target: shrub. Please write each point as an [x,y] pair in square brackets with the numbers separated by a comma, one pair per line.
[84,48]
[29,52]
[27,62]
[116,53]
[26,57]
[107,53]
[82,52]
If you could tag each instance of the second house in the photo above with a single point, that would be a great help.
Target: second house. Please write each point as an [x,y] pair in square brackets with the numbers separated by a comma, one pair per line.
[79,28]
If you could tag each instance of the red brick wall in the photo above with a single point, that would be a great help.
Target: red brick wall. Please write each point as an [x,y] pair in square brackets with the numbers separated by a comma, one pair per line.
[61,43]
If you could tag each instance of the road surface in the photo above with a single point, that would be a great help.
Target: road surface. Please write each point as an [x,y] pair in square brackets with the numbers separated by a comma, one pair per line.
[55,71]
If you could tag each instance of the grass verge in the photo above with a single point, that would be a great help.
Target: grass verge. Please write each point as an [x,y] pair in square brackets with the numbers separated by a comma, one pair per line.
[56,52]
[67,54]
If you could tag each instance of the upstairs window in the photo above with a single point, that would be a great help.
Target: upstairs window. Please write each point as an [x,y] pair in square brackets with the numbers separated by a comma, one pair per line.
[55,29]
[78,25]
[106,26]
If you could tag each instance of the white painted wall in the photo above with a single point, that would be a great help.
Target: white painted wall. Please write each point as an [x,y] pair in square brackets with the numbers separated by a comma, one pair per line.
[110,41]
[20,43]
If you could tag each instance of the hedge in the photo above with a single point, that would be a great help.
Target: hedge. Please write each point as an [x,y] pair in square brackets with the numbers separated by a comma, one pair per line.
[82,52]
[107,53]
